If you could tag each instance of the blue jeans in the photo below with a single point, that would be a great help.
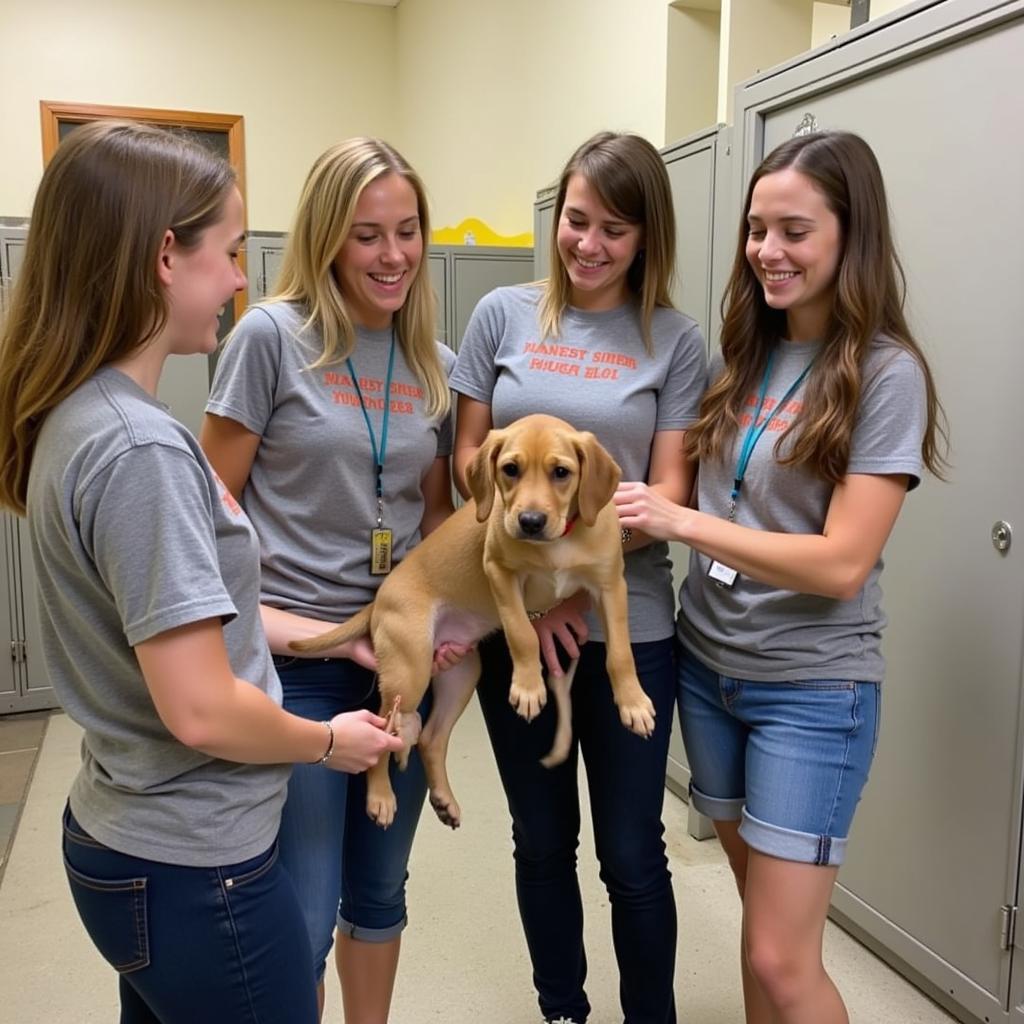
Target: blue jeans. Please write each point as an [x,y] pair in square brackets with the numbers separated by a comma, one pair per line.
[788,760]
[626,783]
[348,872]
[203,945]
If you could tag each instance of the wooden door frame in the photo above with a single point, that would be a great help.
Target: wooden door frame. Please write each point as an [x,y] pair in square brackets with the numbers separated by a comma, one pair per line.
[52,113]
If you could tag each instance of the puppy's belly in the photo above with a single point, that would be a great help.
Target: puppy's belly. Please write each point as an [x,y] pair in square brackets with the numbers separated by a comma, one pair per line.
[458,626]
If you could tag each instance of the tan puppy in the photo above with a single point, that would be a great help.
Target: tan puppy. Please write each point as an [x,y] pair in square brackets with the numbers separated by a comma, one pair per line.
[540,528]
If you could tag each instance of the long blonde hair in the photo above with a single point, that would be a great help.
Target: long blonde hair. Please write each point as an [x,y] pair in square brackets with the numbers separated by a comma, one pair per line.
[87,292]
[322,223]
[630,178]
[869,295]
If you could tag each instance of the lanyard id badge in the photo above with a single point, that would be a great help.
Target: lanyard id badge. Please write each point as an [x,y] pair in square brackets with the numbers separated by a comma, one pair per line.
[722,574]
[380,551]
[381,537]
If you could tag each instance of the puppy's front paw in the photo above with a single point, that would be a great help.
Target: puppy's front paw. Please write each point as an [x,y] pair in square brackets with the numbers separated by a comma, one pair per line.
[528,697]
[637,715]
[381,807]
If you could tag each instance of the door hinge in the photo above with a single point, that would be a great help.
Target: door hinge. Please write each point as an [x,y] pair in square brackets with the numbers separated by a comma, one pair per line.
[1007,927]
[18,652]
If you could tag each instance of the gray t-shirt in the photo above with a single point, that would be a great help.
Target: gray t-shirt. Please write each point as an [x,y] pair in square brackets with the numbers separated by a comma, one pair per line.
[755,631]
[133,535]
[597,376]
[310,492]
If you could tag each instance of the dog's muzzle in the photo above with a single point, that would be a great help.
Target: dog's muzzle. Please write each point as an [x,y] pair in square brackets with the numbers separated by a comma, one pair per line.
[531,525]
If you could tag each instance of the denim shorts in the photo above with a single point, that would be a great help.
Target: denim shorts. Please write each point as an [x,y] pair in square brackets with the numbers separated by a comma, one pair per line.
[788,760]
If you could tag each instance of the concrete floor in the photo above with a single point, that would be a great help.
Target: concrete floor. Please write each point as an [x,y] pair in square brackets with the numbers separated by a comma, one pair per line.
[464,958]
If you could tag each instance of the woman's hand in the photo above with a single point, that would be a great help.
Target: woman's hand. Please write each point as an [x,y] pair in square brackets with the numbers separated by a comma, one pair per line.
[359,741]
[360,651]
[642,508]
[448,655]
[565,621]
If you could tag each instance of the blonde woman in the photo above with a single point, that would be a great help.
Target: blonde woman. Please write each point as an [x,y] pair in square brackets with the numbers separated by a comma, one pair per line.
[148,579]
[329,421]
[600,345]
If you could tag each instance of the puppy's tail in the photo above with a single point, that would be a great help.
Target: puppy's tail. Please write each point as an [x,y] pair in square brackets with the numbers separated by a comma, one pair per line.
[560,687]
[357,626]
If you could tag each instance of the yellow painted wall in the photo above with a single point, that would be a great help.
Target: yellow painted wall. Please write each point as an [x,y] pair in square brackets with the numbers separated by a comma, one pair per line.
[829,20]
[487,98]
[495,95]
[691,87]
[302,74]
[762,33]
[880,7]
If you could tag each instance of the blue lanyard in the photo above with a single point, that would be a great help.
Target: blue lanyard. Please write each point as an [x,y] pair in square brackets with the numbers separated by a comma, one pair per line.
[378,456]
[754,431]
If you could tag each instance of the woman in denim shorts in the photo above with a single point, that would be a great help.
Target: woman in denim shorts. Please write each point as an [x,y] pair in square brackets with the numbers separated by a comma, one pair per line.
[328,420]
[820,416]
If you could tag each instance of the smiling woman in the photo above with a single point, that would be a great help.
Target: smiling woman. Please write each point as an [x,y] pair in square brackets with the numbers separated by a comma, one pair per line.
[329,421]
[149,594]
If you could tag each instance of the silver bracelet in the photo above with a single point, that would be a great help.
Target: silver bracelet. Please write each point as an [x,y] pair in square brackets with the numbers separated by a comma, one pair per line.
[627,534]
[330,746]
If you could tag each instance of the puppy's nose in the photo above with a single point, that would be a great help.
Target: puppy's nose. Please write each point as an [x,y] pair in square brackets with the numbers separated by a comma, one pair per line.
[532,523]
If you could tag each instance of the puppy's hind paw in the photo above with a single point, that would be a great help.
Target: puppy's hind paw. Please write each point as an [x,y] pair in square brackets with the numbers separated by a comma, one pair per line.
[447,809]
[527,702]
[638,717]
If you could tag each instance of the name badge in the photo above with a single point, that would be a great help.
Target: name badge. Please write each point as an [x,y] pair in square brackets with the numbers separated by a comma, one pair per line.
[722,574]
[380,552]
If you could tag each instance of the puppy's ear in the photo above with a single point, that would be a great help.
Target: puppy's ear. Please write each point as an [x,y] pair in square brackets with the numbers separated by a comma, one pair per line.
[481,471]
[599,476]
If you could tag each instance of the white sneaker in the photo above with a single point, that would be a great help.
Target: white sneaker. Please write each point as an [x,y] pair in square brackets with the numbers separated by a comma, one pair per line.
[559,1020]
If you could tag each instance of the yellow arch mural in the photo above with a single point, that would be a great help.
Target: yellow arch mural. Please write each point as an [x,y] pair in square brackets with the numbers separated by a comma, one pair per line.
[475,229]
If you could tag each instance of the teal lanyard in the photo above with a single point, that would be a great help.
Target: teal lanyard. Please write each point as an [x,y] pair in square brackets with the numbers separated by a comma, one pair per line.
[754,431]
[378,454]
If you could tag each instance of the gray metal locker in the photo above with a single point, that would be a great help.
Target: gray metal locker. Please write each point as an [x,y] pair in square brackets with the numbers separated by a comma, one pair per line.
[439,266]
[12,247]
[10,689]
[264,251]
[932,876]
[476,270]
[543,224]
[698,173]
[25,687]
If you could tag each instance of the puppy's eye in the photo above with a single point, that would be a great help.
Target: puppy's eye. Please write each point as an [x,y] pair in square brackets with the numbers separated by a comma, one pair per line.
[561,473]
[510,469]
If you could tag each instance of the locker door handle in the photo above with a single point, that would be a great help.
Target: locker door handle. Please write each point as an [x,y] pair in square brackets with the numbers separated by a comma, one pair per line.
[1002,536]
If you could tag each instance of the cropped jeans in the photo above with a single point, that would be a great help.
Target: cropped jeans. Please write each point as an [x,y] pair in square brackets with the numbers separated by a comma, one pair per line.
[349,873]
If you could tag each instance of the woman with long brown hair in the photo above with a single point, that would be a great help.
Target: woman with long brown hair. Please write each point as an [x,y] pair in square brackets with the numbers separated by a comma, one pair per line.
[600,344]
[148,580]
[821,415]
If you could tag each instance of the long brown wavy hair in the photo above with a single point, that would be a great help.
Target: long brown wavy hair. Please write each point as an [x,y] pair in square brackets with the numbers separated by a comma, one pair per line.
[869,294]
[87,293]
[628,174]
